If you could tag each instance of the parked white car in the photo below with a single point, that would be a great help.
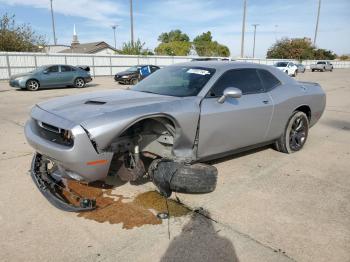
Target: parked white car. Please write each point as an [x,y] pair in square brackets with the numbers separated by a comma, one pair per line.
[289,68]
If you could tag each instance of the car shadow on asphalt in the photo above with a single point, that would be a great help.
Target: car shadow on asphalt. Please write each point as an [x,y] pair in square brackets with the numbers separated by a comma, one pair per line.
[238,155]
[200,241]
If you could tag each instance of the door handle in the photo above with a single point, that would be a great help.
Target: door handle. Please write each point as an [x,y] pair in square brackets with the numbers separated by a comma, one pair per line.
[265,101]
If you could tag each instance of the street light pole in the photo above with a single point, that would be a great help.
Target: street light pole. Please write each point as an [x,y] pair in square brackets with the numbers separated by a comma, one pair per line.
[53,25]
[131,24]
[115,41]
[318,18]
[255,25]
[243,27]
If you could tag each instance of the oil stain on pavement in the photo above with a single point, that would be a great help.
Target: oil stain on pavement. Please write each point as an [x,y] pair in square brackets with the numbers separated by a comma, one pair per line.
[116,209]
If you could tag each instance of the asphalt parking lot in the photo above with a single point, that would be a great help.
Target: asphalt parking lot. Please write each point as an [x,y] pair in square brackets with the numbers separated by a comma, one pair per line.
[268,206]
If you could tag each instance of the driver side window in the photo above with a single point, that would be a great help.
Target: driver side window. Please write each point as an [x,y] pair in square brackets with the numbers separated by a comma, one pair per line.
[52,69]
[247,80]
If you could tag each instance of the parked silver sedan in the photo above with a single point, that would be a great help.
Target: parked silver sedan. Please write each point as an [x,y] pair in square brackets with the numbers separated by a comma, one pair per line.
[50,76]
[178,116]
[301,68]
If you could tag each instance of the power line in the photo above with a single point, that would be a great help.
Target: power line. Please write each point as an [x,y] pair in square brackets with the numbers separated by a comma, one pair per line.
[255,25]
[53,25]
[131,24]
[318,18]
[115,41]
[243,27]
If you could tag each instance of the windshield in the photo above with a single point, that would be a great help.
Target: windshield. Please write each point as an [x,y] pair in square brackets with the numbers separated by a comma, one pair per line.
[321,63]
[132,69]
[39,69]
[281,64]
[176,81]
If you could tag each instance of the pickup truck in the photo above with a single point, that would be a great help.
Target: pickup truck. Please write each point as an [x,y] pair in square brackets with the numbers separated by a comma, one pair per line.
[322,66]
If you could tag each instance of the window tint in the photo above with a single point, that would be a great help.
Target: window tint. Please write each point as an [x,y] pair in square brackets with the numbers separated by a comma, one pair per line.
[268,79]
[245,79]
[53,69]
[66,69]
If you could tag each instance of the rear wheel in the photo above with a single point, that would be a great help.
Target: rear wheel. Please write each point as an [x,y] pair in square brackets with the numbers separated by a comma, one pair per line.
[32,85]
[79,82]
[295,134]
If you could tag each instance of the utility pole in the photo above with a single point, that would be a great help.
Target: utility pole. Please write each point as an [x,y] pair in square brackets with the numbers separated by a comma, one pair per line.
[243,27]
[255,25]
[131,24]
[318,18]
[53,25]
[115,41]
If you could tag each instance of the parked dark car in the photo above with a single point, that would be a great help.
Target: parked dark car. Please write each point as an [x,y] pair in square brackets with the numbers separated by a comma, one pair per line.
[135,74]
[50,76]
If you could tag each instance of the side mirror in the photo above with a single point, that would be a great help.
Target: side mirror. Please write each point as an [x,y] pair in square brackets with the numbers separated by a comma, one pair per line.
[230,92]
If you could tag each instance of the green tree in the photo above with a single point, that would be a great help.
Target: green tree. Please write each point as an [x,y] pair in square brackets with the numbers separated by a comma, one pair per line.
[205,46]
[173,36]
[18,38]
[173,48]
[173,43]
[298,48]
[134,49]
[344,57]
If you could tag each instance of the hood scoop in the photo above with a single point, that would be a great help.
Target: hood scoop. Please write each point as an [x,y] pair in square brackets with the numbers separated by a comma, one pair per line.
[94,102]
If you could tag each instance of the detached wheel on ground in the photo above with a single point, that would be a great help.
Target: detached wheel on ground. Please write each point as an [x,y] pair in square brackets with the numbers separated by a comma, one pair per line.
[295,134]
[32,85]
[79,82]
[171,176]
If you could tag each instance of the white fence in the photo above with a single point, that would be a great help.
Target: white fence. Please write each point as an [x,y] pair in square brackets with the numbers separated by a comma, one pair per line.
[15,62]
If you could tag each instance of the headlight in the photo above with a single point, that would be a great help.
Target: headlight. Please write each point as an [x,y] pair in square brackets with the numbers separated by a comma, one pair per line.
[125,76]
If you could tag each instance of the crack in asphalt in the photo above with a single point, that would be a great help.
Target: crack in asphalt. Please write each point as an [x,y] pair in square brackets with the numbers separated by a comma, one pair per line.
[13,122]
[14,157]
[198,211]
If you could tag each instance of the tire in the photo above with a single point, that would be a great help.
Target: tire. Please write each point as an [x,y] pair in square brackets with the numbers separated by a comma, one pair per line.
[324,69]
[295,73]
[312,70]
[287,73]
[331,69]
[171,176]
[79,82]
[295,134]
[32,85]
[134,81]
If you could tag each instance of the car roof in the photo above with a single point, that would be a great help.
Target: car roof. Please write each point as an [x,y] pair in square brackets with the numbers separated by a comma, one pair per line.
[222,65]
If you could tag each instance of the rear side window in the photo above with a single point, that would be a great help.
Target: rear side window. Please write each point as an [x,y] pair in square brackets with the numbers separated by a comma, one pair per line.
[245,79]
[66,69]
[269,80]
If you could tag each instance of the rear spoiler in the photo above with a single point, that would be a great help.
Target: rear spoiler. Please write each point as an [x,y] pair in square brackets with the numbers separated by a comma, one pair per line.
[86,68]
[308,83]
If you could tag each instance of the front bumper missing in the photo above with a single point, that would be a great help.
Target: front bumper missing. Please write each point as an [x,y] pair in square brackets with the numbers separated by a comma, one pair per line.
[54,190]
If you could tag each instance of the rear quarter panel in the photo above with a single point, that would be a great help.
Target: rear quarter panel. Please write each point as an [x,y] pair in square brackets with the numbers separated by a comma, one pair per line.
[288,97]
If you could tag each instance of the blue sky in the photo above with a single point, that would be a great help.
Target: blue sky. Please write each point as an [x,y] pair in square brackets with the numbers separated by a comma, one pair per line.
[277,19]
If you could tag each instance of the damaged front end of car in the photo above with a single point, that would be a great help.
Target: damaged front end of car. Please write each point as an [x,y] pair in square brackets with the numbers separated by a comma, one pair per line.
[143,150]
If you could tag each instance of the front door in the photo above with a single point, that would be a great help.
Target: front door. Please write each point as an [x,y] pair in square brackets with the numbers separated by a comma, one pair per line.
[50,76]
[238,122]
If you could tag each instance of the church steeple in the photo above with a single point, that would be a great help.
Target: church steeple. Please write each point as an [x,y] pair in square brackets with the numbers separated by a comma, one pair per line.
[75,41]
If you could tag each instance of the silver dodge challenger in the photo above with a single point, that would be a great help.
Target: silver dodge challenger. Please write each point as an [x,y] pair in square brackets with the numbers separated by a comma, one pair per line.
[168,126]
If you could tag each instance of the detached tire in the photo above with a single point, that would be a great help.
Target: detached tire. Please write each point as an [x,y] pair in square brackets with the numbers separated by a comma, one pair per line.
[171,176]
[295,134]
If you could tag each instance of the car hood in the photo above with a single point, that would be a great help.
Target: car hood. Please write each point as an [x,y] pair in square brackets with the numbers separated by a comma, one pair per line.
[80,108]
[19,75]
[125,73]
